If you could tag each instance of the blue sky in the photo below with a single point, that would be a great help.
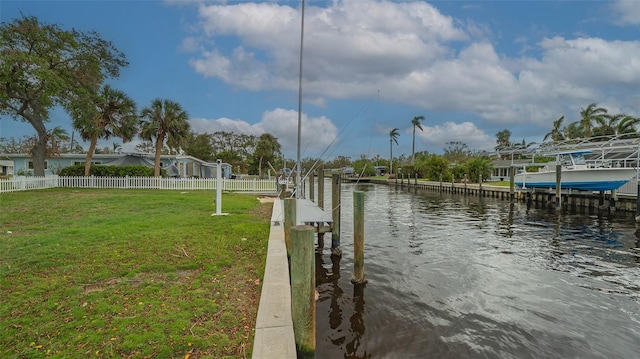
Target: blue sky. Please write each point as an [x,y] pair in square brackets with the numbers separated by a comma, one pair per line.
[472,68]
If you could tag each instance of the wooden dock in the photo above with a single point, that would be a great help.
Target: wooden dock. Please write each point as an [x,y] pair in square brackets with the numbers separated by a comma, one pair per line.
[307,213]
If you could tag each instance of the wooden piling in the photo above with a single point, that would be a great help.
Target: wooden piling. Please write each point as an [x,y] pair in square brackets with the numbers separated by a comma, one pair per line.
[321,188]
[638,201]
[289,221]
[311,186]
[558,186]
[512,189]
[358,238]
[335,214]
[303,288]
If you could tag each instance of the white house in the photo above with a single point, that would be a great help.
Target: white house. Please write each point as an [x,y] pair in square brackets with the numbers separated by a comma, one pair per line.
[179,165]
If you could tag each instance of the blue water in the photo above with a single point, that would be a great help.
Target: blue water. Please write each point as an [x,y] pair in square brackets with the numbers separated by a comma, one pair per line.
[467,277]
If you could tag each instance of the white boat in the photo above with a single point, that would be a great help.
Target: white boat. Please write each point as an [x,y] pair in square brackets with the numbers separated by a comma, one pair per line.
[576,174]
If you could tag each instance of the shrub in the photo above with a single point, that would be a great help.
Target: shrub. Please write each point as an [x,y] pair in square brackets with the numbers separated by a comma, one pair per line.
[112,171]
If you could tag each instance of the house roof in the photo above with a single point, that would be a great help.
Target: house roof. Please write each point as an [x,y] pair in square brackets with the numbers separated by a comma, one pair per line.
[130,160]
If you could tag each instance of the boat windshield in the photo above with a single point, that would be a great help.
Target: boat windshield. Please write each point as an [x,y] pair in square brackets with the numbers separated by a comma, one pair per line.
[578,159]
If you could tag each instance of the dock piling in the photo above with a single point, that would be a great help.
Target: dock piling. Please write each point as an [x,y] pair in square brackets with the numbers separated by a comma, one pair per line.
[358,238]
[289,221]
[311,186]
[558,186]
[512,189]
[303,287]
[321,188]
[336,183]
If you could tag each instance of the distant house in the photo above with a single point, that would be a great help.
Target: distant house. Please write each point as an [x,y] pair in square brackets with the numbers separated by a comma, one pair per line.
[500,171]
[6,167]
[380,170]
[175,165]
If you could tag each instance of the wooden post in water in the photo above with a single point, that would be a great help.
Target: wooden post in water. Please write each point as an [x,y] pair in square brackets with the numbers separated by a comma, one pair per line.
[638,200]
[311,186]
[512,189]
[601,200]
[612,201]
[335,214]
[480,185]
[321,188]
[453,183]
[303,290]
[289,221]
[558,186]
[358,238]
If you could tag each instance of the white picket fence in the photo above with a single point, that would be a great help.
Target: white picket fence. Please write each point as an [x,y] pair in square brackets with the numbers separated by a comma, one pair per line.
[23,183]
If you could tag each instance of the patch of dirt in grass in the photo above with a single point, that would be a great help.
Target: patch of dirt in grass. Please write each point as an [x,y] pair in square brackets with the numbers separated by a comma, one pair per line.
[263,211]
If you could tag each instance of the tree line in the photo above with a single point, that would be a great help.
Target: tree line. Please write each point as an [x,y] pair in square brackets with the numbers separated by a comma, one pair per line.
[43,66]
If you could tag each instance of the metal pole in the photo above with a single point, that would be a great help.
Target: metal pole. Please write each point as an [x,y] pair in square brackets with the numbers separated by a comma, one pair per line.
[298,165]
[218,187]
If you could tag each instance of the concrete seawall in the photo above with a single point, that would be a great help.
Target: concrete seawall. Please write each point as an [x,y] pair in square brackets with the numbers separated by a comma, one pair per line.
[274,336]
[576,200]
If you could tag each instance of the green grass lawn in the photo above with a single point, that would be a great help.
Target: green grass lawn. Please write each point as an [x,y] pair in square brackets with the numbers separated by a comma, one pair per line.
[129,273]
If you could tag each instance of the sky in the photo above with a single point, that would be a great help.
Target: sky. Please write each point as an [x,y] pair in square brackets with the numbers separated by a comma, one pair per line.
[471,68]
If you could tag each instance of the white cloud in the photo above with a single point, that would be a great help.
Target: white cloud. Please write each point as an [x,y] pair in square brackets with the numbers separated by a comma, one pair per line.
[413,55]
[626,12]
[317,133]
[436,137]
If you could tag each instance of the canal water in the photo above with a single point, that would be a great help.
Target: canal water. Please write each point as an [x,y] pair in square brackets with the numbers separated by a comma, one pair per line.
[466,277]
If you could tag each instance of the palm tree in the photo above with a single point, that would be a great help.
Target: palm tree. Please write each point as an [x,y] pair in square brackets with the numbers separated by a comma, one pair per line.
[393,137]
[163,120]
[112,113]
[590,115]
[628,126]
[416,123]
[556,132]
[57,136]
[572,131]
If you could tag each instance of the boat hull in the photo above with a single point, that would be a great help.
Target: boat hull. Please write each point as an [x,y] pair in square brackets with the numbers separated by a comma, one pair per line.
[593,179]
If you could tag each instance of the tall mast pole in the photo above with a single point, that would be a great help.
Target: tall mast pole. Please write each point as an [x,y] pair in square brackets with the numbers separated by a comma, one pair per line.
[298,165]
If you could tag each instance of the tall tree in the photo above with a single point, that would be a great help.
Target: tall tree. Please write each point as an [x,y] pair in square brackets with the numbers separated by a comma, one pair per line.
[43,66]
[267,149]
[113,114]
[628,126]
[393,137]
[12,145]
[57,137]
[416,123]
[163,120]
[590,116]
[572,131]
[556,132]
[503,139]
[456,152]
[199,146]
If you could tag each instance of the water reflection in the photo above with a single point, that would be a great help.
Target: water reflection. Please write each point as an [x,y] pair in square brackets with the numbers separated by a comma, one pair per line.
[466,277]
